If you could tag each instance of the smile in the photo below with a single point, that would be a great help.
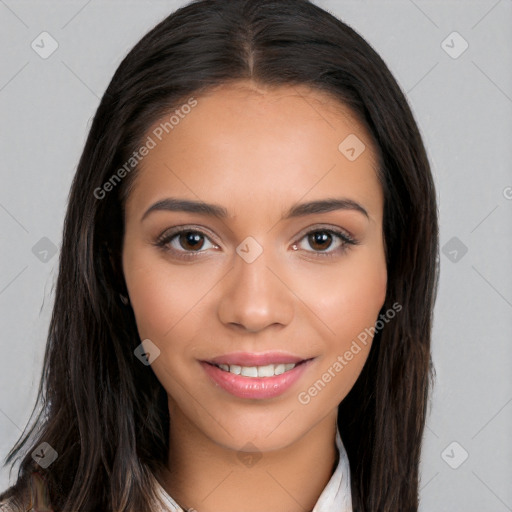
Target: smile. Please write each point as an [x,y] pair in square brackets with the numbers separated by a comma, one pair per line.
[257,371]
[255,382]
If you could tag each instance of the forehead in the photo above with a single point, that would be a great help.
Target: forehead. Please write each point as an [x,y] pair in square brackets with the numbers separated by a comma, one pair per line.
[245,143]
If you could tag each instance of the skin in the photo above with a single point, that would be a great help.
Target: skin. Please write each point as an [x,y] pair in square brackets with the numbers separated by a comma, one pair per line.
[256,152]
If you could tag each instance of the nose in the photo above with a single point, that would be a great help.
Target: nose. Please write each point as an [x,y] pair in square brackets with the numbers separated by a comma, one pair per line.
[256,295]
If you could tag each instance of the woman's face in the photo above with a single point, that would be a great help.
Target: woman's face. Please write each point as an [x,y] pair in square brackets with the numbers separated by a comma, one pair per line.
[256,280]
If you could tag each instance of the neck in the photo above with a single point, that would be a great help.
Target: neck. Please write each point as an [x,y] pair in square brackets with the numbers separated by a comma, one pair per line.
[206,476]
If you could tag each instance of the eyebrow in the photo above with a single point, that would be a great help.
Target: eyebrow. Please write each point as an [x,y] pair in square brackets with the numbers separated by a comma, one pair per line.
[215,210]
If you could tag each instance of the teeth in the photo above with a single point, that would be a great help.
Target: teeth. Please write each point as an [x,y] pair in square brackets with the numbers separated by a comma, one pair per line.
[249,371]
[257,371]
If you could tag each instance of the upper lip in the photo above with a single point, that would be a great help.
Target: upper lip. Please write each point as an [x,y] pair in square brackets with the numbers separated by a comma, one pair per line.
[256,359]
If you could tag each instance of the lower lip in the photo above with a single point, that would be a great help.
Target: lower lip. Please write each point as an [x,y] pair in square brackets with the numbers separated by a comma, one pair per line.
[255,387]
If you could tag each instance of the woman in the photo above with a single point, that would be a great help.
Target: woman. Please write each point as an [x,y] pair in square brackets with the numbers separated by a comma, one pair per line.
[243,310]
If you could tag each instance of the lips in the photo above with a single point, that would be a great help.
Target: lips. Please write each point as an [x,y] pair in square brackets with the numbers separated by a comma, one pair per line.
[256,359]
[256,388]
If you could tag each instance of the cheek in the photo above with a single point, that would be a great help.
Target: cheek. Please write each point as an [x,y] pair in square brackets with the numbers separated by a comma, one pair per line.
[166,305]
[347,298]
[355,301]
[150,299]
[163,297]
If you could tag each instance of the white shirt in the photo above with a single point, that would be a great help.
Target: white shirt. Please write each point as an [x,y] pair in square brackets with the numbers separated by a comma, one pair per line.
[336,496]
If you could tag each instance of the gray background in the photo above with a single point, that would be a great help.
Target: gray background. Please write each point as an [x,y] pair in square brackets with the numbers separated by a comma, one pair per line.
[463,106]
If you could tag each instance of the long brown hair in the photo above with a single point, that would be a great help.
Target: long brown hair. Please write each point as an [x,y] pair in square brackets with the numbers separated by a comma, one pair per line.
[103,412]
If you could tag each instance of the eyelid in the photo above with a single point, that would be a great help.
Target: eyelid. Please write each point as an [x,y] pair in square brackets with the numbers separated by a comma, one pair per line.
[191,227]
[326,227]
[176,230]
[347,239]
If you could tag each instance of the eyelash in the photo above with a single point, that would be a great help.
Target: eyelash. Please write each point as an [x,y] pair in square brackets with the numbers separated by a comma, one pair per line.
[163,241]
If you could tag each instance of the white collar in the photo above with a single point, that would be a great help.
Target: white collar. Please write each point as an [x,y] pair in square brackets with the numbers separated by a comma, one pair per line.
[335,496]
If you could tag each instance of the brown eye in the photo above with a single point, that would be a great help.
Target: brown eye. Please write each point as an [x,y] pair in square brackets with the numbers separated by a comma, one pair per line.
[320,240]
[185,243]
[191,240]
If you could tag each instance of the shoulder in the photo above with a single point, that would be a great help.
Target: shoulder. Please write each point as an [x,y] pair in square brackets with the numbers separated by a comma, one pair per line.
[16,501]
[8,505]
[11,505]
